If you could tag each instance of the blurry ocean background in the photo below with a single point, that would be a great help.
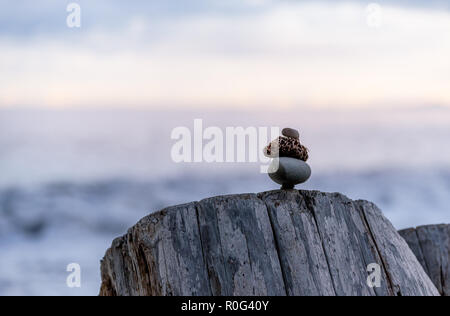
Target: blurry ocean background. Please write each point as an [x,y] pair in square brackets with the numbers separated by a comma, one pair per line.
[86,114]
[71,181]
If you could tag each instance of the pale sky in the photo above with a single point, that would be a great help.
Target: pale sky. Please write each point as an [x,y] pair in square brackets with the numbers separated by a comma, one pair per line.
[225,54]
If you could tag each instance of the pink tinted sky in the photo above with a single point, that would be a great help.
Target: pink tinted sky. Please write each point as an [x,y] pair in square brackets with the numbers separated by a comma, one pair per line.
[287,54]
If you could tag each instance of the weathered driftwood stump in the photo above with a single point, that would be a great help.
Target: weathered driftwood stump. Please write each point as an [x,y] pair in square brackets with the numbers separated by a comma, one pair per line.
[431,245]
[284,242]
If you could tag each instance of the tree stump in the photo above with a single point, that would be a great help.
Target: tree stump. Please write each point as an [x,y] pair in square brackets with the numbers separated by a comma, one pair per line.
[431,245]
[283,242]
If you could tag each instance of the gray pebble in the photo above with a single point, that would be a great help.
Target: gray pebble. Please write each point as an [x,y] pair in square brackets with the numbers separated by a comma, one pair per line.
[290,132]
[289,171]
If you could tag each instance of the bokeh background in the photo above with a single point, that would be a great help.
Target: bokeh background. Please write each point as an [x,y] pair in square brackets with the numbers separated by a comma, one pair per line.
[86,114]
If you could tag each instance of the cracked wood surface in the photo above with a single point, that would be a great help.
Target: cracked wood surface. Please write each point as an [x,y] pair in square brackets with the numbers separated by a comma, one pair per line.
[431,245]
[283,242]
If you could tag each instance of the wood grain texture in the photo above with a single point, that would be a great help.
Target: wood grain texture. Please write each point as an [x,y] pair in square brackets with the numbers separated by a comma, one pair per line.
[239,247]
[283,242]
[431,245]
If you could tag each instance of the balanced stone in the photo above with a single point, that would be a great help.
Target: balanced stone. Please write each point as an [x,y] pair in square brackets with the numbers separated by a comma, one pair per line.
[289,171]
[290,132]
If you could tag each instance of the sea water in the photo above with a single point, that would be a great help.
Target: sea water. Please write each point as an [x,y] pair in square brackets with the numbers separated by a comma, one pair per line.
[72,180]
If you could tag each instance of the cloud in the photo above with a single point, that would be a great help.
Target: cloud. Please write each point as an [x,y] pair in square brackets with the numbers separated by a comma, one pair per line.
[267,52]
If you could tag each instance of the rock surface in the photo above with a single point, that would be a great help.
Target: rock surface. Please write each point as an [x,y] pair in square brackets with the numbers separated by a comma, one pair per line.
[289,171]
[290,132]
[283,242]
[431,245]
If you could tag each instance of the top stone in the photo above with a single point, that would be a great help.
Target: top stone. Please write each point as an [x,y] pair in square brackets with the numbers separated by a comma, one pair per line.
[290,132]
